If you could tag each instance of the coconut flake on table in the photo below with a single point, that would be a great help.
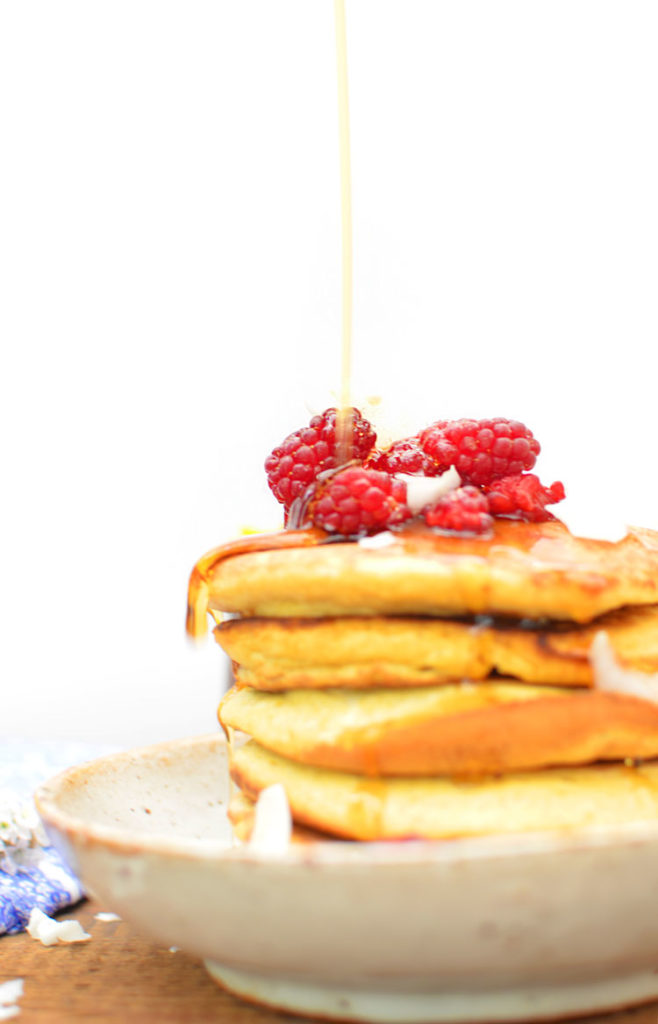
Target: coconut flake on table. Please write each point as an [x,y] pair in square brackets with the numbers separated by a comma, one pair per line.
[425,490]
[106,915]
[272,826]
[609,675]
[10,993]
[49,931]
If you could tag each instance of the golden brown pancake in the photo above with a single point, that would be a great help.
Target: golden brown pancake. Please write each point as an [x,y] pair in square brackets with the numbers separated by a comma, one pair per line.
[352,807]
[471,729]
[522,569]
[282,654]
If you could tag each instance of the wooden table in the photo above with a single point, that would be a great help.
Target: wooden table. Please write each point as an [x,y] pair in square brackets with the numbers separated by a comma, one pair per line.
[120,976]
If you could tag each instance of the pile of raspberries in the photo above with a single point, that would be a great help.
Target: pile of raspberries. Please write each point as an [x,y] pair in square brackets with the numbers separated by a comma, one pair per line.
[347,486]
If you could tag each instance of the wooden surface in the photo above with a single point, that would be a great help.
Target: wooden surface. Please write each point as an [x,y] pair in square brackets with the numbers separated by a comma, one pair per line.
[119,976]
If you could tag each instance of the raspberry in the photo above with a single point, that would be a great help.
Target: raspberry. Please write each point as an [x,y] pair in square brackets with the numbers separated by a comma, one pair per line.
[405,456]
[356,501]
[465,509]
[524,497]
[481,450]
[297,461]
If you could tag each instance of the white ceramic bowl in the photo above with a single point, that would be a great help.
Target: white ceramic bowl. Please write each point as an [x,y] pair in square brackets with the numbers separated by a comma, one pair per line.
[494,929]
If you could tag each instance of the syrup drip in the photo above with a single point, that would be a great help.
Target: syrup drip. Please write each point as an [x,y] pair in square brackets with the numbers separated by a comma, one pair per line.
[365,809]
[198,594]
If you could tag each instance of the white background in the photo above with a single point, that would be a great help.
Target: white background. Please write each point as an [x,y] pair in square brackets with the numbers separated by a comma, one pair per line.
[169,274]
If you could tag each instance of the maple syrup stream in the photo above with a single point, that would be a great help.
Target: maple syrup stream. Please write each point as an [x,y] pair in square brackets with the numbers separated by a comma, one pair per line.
[343,421]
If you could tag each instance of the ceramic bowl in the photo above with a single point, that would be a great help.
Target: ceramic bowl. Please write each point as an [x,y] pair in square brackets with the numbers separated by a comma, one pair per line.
[496,929]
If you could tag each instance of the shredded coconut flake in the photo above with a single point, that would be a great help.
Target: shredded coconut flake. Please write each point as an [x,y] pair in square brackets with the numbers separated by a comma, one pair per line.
[596,522]
[11,991]
[49,931]
[610,676]
[377,540]
[272,828]
[425,490]
[105,915]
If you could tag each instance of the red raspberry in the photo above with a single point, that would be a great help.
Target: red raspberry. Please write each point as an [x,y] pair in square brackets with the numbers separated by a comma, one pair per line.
[405,456]
[465,509]
[481,450]
[524,497]
[356,501]
[297,461]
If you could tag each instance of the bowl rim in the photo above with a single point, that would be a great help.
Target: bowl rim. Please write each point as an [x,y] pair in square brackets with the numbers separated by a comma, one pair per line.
[79,831]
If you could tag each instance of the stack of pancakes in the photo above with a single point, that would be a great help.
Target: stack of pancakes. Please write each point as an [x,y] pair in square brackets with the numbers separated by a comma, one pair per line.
[424,685]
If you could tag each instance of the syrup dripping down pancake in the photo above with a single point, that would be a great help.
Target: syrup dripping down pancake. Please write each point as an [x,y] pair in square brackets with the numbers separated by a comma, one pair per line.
[351,807]
[470,729]
[353,651]
[532,570]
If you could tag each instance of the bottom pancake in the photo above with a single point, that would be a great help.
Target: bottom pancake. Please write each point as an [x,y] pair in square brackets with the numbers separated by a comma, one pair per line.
[353,807]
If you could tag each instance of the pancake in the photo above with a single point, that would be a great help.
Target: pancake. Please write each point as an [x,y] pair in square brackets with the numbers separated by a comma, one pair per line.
[351,807]
[470,729]
[521,569]
[282,654]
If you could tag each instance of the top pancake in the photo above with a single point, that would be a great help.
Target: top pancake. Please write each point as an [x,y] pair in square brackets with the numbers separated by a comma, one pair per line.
[533,570]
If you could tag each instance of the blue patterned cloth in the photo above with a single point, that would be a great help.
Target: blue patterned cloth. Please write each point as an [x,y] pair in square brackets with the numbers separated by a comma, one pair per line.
[39,879]
[32,873]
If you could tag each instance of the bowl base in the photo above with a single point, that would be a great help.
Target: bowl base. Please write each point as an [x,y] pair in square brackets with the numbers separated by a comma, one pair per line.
[378,1006]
